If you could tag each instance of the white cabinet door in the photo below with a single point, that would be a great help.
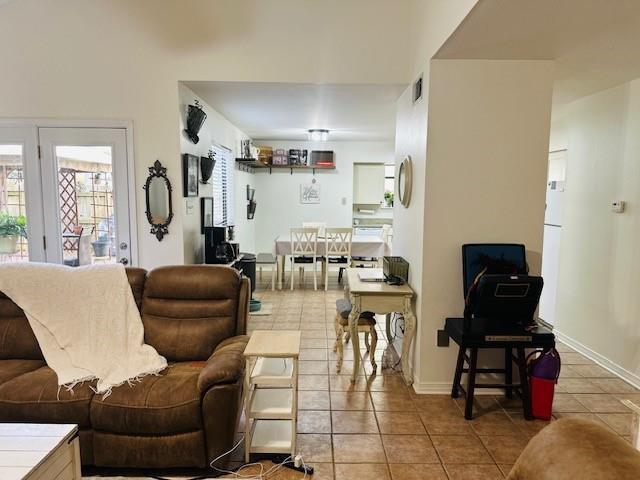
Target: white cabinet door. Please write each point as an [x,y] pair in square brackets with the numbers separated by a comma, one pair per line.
[368,183]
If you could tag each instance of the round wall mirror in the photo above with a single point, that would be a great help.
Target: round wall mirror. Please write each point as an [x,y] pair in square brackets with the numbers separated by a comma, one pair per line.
[405,179]
[158,199]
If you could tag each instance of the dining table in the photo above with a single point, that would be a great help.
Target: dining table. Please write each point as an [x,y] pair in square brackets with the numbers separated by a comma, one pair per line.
[366,246]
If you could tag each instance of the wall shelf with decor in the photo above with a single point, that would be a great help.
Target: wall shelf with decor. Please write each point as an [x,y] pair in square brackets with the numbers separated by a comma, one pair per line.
[252,163]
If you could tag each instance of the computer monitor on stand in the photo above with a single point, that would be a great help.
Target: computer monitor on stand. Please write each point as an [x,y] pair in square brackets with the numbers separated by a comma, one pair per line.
[496,284]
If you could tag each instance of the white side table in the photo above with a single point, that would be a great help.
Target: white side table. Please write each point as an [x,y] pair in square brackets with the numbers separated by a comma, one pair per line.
[39,451]
[271,392]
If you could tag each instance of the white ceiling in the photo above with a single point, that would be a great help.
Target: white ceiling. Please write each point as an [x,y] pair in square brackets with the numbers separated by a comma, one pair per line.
[285,111]
[595,43]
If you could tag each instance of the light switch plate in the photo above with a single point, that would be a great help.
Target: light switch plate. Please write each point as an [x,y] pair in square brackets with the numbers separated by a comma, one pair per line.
[188,205]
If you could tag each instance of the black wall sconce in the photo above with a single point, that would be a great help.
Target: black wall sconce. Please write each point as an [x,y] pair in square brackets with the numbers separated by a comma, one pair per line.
[195,120]
[251,206]
[207,165]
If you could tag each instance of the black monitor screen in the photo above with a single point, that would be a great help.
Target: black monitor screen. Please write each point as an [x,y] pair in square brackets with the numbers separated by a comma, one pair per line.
[476,255]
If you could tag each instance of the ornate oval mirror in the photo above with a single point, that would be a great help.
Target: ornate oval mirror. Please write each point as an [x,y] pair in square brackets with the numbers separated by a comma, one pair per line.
[158,199]
[405,179]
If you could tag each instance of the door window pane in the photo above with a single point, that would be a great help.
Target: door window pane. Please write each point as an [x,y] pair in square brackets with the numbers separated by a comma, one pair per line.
[85,186]
[13,242]
[389,184]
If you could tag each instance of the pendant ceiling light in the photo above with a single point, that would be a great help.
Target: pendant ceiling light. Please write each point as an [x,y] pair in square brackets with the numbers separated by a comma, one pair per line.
[318,135]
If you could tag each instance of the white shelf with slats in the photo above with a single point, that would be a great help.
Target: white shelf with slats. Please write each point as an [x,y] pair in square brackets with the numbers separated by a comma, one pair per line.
[271,392]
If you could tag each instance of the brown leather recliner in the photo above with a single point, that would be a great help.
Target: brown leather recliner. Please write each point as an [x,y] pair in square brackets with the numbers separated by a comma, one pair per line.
[575,448]
[195,316]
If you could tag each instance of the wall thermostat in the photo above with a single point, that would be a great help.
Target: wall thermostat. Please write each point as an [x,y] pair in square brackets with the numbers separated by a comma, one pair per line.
[618,206]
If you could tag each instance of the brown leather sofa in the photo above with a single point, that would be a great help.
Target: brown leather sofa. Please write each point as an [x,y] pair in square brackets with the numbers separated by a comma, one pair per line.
[195,316]
[574,448]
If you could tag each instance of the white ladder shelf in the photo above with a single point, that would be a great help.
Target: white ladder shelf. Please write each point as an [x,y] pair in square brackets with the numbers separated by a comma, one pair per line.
[271,392]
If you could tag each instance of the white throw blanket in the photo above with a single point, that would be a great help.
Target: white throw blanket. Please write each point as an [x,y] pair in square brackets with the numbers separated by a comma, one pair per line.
[85,320]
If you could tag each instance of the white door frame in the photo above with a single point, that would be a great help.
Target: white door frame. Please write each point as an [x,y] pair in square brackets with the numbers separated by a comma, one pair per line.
[127,125]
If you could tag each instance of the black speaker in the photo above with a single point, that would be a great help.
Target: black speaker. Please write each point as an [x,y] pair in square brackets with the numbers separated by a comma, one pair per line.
[206,168]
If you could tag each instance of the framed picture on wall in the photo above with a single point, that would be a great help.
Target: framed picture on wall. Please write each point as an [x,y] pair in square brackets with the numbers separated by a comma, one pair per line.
[310,192]
[190,175]
[206,213]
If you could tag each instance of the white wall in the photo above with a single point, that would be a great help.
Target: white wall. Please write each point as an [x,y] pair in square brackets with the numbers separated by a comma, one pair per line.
[598,305]
[216,129]
[106,59]
[432,22]
[490,187]
[278,194]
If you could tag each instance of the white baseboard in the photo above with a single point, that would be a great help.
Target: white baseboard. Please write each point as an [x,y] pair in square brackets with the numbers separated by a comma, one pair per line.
[604,362]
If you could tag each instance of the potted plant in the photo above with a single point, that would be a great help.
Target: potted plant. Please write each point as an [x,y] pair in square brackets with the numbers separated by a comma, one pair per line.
[11,228]
[388,198]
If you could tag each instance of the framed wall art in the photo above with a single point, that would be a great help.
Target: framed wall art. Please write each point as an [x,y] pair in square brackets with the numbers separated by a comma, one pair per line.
[310,192]
[190,175]
[206,213]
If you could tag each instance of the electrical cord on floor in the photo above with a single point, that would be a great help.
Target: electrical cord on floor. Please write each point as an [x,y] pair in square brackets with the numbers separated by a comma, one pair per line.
[262,475]
[396,319]
[399,323]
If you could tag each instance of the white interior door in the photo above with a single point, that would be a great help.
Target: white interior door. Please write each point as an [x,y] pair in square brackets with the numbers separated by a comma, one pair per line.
[20,194]
[550,264]
[85,187]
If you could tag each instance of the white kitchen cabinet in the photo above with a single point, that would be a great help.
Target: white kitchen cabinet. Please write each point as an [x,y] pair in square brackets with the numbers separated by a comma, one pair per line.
[368,183]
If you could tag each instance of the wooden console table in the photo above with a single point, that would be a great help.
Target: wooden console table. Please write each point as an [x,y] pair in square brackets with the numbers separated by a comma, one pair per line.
[380,298]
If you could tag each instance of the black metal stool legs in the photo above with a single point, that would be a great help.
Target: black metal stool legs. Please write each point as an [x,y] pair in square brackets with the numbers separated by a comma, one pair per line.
[455,390]
[508,371]
[524,383]
[471,383]
[472,370]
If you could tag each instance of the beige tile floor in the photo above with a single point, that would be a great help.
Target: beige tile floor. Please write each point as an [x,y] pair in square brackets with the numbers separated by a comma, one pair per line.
[378,428]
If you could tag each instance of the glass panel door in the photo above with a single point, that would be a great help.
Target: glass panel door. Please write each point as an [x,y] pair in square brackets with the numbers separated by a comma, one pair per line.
[21,237]
[85,184]
[13,214]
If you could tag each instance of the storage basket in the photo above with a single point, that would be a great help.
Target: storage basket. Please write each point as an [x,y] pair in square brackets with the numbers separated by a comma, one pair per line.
[396,266]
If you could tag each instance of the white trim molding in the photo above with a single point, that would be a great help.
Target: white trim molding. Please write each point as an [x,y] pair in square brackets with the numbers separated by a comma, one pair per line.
[604,362]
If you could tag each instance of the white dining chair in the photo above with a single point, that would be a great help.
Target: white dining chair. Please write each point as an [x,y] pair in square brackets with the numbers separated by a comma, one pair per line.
[304,251]
[387,238]
[270,260]
[321,226]
[337,250]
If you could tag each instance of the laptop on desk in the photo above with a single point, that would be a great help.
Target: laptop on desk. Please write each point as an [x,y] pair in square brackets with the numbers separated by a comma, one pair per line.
[370,275]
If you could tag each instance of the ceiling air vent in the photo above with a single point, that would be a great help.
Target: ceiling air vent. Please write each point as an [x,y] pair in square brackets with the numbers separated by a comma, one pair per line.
[417,89]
